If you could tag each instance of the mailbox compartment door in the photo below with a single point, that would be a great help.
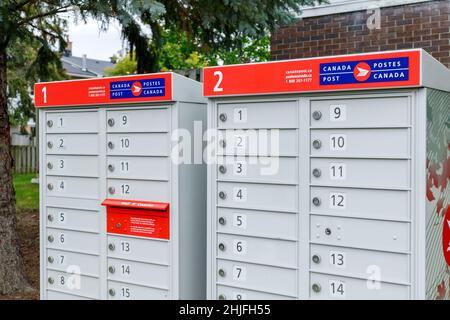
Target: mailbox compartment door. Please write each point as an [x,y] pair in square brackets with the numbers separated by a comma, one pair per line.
[138,249]
[79,166]
[85,264]
[72,144]
[233,293]
[138,168]
[138,120]
[73,284]
[138,144]
[73,187]
[73,219]
[127,291]
[138,189]
[73,241]
[72,122]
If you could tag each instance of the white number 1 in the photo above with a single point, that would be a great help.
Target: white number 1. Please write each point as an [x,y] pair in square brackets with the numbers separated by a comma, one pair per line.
[44,92]
[217,87]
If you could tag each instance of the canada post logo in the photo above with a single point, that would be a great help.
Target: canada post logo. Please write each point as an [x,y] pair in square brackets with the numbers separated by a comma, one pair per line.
[138,88]
[380,70]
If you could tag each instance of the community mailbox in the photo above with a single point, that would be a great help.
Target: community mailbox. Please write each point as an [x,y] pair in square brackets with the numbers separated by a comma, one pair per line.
[331,178]
[119,218]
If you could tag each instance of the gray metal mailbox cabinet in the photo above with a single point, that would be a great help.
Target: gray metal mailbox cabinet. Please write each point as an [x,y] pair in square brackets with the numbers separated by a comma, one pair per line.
[122,214]
[329,178]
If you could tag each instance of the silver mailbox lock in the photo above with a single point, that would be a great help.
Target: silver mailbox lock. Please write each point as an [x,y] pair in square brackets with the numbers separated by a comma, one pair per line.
[316,201]
[110,145]
[221,247]
[223,169]
[221,272]
[50,186]
[50,259]
[49,123]
[316,259]
[111,269]
[222,297]
[223,143]
[316,287]
[317,115]
[50,144]
[327,231]
[50,280]
[317,144]
[111,247]
[223,117]
[50,217]
[50,238]
[222,221]
[111,168]
[50,165]
[111,122]
[222,195]
[111,190]
[112,292]
[317,172]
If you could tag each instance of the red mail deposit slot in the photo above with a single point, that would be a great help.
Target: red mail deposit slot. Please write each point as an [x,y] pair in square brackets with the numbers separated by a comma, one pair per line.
[138,218]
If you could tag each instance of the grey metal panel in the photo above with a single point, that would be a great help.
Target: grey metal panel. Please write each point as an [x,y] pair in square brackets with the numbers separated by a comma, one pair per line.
[356,289]
[380,173]
[258,196]
[362,203]
[257,277]
[81,166]
[73,219]
[75,144]
[233,293]
[280,253]
[362,112]
[365,143]
[359,233]
[72,241]
[138,120]
[140,168]
[86,264]
[257,115]
[73,187]
[363,264]
[258,169]
[138,190]
[71,203]
[126,291]
[139,249]
[276,225]
[259,142]
[74,284]
[138,144]
[55,295]
[139,273]
[72,122]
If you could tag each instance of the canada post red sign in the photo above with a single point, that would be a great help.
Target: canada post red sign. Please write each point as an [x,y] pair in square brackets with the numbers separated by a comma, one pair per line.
[151,87]
[374,70]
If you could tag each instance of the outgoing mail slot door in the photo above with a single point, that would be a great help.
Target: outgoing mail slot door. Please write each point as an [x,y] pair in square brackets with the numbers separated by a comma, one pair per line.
[280,253]
[154,120]
[361,172]
[73,241]
[366,112]
[258,196]
[73,144]
[257,277]
[364,143]
[261,142]
[140,168]
[359,233]
[138,218]
[126,291]
[73,219]
[143,250]
[139,189]
[138,144]
[80,166]
[146,274]
[72,122]
[72,187]
[233,293]
[335,287]
[86,264]
[361,203]
[363,264]
[258,169]
[256,115]
[266,224]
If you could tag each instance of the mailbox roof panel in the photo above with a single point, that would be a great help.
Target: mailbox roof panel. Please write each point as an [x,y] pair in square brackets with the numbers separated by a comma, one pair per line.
[155,87]
[393,69]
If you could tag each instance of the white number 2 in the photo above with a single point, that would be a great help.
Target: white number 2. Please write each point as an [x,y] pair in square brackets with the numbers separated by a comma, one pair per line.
[217,87]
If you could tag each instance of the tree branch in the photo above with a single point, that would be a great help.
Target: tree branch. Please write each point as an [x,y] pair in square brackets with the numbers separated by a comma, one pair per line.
[45,14]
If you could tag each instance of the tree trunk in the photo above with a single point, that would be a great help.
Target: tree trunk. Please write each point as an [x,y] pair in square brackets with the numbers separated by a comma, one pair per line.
[12,277]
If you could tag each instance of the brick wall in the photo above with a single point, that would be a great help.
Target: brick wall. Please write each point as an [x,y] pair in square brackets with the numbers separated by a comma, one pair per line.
[423,25]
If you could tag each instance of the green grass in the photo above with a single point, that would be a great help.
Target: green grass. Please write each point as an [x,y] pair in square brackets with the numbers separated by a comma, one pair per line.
[27,194]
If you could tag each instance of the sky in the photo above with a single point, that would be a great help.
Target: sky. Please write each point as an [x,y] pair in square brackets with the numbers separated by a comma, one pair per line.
[88,39]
